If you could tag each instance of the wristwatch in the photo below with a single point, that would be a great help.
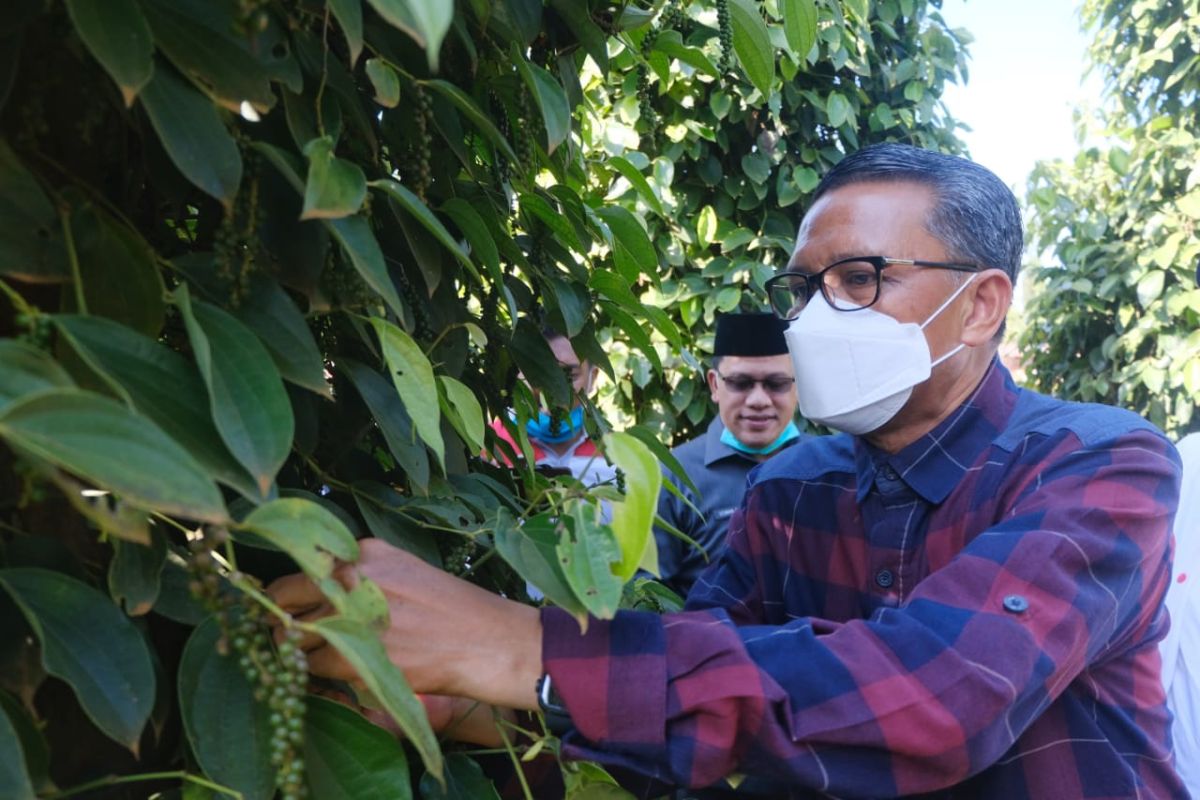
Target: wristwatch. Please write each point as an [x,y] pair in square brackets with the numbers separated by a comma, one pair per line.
[558,719]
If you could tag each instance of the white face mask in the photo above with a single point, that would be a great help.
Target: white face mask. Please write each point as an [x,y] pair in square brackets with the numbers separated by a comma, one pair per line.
[855,370]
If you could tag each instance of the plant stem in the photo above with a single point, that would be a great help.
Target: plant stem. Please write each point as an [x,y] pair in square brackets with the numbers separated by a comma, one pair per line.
[114,780]
[512,754]
[73,260]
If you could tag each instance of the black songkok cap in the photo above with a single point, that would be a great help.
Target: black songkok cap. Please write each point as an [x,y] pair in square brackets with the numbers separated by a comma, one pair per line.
[750,335]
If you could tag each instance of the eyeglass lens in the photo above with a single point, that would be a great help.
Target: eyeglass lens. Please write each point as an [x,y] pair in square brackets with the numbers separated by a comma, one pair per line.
[774,384]
[848,285]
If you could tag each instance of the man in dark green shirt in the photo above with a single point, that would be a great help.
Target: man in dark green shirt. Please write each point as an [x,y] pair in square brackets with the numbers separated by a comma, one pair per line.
[751,383]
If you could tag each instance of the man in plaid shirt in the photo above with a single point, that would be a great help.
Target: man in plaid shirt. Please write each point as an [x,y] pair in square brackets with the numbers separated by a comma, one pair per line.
[959,597]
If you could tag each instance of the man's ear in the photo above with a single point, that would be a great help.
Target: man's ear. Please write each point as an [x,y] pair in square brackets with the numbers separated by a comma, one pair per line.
[990,300]
[712,384]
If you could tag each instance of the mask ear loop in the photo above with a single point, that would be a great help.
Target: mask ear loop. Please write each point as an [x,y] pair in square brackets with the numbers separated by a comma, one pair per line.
[939,310]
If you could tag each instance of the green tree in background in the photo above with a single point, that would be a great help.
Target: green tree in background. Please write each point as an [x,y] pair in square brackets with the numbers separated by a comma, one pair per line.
[267,267]
[1115,319]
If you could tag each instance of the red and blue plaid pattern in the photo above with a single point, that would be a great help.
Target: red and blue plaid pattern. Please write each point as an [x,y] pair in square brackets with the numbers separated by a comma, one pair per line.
[975,616]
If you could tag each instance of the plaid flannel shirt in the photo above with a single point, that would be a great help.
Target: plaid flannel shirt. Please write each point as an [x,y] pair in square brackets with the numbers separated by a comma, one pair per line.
[974,616]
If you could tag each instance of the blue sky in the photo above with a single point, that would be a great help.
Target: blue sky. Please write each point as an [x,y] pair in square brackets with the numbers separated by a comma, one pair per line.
[1026,73]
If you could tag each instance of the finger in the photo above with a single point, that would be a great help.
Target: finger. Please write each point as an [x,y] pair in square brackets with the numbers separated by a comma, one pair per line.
[328,663]
[295,593]
[309,640]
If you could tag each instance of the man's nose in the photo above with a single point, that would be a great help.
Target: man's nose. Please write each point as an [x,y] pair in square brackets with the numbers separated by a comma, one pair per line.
[758,396]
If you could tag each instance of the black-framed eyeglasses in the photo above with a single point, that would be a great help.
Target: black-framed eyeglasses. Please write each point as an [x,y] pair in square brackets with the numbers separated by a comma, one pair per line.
[744,384]
[848,285]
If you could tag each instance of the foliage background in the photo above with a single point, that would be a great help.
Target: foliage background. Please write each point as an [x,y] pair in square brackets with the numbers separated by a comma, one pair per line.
[1114,317]
[268,266]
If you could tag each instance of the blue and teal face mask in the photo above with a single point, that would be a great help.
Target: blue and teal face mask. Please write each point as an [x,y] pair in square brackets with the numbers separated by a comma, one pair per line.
[788,434]
[556,428]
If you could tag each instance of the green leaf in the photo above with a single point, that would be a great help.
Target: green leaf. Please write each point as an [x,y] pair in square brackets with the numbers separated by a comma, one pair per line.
[119,272]
[160,384]
[393,420]
[531,549]
[466,106]
[838,108]
[752,44]
[116,33]
[313,536]
[539,366]
[228,729]
[861,9]
[706,226]
[757,167]
[87,642]
[412,375]
[1150,287]
[386,81]
[426,21]
[107,444]
[414,206]
[15,782]
[30,245]
[365,653]
[34,749]
[135,572]
[193,135]
[464,412]
[587,550]
[799,25]
[472,226]
[270,312]
[346,756]
[24,369]
[348,14]
[380,506]
[632,250]
[638,181]
[578,18]
[246,396]
[335,187]
[464,781]
[551,100]
[633,517]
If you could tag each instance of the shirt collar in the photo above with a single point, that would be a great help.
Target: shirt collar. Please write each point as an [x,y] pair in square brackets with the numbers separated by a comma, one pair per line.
[716,450]
[935,463]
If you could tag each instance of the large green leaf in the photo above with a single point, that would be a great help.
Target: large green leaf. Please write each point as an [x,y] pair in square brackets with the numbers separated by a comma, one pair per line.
[531,549]
[193,135]
[365,653]
[358,241]
[15,782]
[551,100]
[393,420]
[467,107]
[116,33]
[752,44]
[633,517]
[426,21]
[24,369]
[228,729]
[134,574]
[421,213]
[463,412]
[348,13]
[632,250]
[382,509]
[159,383]
[34,749]
[483,246]
[386,81]
[799,25]
[87,642]
[348,758]
[105,443]
[270,312]
[335,187]
[119,272]
[412,375]
[213,58]
[30,248]
[464,781]
[246,396]
[638,181]
[538,364]
[588,551]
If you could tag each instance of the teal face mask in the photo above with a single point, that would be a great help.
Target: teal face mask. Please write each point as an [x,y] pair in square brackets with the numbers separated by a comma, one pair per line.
[788,434]
[556,431]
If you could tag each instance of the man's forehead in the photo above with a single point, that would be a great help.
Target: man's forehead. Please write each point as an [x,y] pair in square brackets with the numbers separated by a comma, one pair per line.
[756,365]
[840,218]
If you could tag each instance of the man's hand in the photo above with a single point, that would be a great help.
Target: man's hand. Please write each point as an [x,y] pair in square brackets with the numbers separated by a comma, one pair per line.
[449,637]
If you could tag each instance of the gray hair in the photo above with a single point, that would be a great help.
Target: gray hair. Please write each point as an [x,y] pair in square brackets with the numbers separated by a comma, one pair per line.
[976,216]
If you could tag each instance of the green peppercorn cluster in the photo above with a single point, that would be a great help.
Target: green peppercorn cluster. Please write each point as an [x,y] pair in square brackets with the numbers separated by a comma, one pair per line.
[423,174]
[620,476]
[35,329]
[500,114]
[524,142]
[279,675]
[726,32]
[235,242]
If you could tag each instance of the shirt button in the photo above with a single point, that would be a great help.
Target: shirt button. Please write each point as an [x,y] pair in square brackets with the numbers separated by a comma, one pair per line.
[889,473]
[884,578]
[1016,604]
